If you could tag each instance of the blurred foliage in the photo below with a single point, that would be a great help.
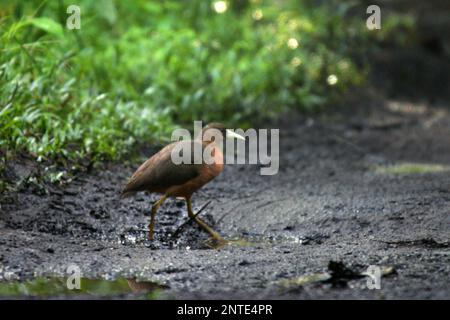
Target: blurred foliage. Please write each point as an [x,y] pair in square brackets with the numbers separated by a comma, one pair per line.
[137,68]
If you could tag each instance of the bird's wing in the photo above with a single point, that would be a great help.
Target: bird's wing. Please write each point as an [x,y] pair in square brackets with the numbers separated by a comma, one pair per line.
[160,172]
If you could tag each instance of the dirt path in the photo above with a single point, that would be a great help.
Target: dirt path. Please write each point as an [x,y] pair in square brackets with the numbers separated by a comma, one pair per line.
[368,185]
[343,194]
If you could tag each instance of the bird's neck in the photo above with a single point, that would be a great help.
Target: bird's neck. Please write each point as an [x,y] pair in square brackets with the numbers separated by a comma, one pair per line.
[215,151]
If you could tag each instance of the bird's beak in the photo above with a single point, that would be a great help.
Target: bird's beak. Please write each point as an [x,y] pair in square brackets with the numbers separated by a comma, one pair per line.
[234,135]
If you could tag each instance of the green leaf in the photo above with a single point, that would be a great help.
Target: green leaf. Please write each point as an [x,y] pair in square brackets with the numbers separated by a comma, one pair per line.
[48,25]
[107,10]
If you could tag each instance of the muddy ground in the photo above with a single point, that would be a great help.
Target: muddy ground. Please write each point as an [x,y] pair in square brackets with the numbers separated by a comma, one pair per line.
[366,184]
[342,194]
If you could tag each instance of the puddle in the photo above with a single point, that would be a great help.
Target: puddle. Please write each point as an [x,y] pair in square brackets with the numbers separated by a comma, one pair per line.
[273,239]
[303,280]
[411,168]
[277,239]
[338,275]
[244,242]
[89,288]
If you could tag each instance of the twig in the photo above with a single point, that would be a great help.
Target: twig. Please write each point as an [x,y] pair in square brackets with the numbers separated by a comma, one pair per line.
[175,234]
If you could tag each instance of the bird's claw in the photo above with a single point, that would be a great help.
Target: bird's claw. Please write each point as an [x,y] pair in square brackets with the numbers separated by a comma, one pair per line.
[216,243]
[150,234]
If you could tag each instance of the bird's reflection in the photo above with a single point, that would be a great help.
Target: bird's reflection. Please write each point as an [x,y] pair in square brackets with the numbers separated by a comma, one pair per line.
[144,286]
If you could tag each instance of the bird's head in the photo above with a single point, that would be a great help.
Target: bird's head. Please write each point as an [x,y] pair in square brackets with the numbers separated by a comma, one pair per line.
[213,130]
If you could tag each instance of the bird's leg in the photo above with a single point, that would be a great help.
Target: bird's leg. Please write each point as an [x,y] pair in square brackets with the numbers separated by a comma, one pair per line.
[155,207]
[202,224]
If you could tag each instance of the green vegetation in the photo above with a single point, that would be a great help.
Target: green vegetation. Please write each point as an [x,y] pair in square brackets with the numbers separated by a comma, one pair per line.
[57,287]
[411,168]
[136,69]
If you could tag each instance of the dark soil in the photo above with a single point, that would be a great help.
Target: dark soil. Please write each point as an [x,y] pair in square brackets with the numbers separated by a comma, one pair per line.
[343,200]
[333,199]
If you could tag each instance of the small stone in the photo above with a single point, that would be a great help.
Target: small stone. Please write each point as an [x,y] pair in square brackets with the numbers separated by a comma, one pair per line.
[244,263]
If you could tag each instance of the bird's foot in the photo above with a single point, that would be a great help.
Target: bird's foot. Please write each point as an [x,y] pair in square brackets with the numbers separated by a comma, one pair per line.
[216,242]
[150,233]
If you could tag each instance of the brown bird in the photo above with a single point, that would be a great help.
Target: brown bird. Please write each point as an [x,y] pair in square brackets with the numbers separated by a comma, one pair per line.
[159,174]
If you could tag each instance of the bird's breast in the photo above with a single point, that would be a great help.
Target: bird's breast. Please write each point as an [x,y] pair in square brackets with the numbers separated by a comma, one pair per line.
[218,159]
[207,173]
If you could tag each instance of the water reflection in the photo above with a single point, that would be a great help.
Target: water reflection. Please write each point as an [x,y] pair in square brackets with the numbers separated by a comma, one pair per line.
[144,286]
[95,288]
